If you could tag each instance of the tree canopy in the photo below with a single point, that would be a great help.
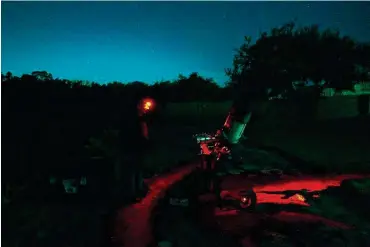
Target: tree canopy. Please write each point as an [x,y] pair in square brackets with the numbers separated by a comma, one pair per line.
[290,54]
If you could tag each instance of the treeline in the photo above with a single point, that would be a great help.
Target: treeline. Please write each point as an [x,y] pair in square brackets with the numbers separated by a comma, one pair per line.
[48,123]
[185,88]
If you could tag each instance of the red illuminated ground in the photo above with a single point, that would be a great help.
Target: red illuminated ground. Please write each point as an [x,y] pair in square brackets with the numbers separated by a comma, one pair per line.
[283,191]
[133,227]
[273,190]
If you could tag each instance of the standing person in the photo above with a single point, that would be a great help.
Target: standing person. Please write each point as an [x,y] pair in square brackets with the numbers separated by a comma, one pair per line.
[134,137]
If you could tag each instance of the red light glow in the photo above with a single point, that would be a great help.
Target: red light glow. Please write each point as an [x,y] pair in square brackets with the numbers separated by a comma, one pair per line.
[146,105]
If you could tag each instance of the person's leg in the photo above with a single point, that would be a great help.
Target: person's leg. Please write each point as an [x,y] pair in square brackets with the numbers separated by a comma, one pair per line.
[124,173]
[217,189]
[207,180]
[139,180]
[140,184]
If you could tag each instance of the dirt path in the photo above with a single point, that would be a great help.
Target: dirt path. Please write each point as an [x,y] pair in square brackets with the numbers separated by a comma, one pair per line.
[133,226]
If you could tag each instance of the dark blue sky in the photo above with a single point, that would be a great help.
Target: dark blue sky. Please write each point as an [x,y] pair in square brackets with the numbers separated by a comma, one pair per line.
[150,41]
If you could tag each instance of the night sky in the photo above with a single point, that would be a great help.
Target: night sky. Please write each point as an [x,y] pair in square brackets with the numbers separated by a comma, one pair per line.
[151,41]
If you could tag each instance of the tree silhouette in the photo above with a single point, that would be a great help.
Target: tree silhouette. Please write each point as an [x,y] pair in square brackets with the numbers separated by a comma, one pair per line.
[42,75]
[195,88]
[49,122]
[289,53]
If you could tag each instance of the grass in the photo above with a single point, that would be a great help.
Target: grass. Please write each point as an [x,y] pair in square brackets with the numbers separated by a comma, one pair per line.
[331,143]
[334,144]
[51,225]
[340,139]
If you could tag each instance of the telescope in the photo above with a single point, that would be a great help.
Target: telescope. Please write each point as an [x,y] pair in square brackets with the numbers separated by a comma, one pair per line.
[222,141]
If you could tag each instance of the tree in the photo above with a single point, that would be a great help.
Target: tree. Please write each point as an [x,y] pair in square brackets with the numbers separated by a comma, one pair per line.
[7,77]
[195,88]
[289,53]
[42,75]
[163,92]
